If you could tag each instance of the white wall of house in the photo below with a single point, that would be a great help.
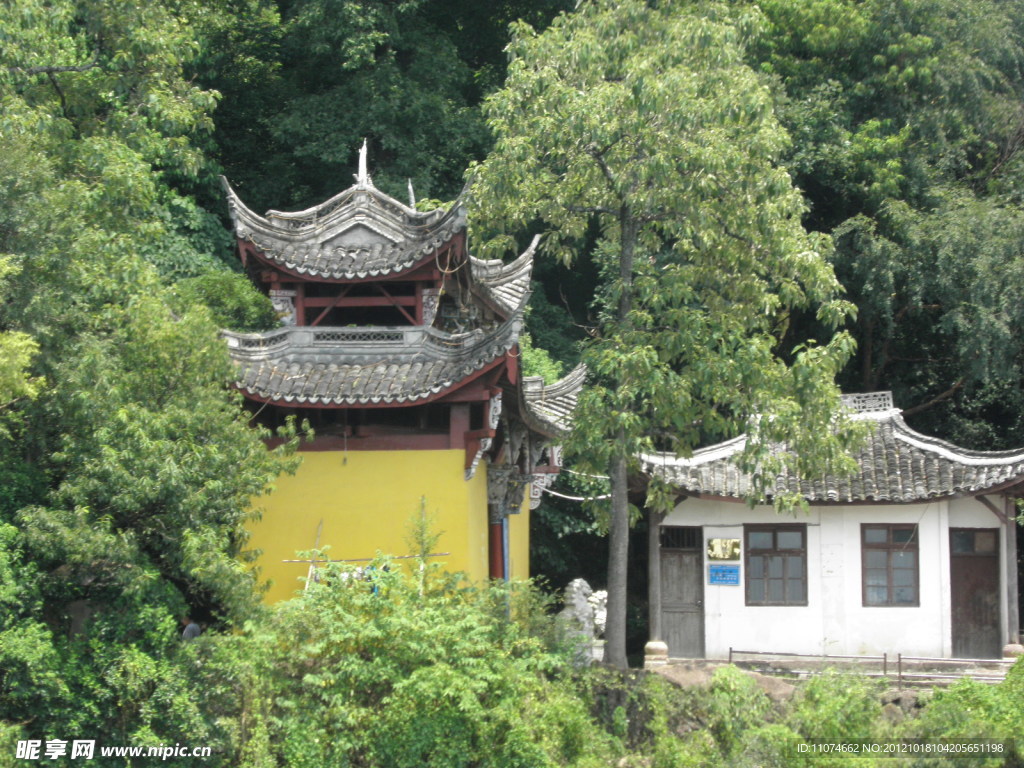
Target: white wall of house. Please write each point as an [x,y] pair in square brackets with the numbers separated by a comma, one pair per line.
[835,620]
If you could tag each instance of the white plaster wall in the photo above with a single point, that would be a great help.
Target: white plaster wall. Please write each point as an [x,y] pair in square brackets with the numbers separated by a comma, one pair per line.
[835,621]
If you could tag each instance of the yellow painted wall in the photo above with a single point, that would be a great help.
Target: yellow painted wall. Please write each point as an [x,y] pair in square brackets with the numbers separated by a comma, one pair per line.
[519,542]
[366,500]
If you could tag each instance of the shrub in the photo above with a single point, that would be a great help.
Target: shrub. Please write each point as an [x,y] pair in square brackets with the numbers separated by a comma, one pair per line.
[835,707]
[398,668]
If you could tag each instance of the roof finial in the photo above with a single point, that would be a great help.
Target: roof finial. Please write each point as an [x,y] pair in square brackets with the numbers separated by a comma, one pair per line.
[362,178]
[412,195]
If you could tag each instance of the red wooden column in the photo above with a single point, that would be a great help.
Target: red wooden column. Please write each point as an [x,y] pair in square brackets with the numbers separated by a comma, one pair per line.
[496,551]
[300,303]
[502,490]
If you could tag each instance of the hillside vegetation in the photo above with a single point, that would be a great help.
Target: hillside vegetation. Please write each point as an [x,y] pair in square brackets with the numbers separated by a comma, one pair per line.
[127,466]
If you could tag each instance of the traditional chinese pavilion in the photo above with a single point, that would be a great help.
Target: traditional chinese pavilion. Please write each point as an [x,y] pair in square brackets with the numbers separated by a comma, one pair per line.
[400,349]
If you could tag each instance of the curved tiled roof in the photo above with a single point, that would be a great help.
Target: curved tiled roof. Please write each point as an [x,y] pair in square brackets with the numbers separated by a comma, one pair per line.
[896,464]
[362,366]
[506,284]
[358,234]
[550,408]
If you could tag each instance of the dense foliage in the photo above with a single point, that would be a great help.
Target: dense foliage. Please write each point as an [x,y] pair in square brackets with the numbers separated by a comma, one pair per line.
[127,466]
[394,668]
[906,126]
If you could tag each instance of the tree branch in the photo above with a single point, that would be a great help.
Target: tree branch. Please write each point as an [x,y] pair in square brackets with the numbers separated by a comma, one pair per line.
[598,155]
[938,398]
[60,93]
[898,359]
[902,313]
[51,70]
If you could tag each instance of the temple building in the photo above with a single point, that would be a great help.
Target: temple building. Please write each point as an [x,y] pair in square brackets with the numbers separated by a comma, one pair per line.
[916,553]
[401,351]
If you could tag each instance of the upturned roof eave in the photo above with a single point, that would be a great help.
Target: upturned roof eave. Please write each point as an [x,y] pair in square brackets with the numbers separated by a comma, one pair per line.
[329,212]
[504,285]
[548,409]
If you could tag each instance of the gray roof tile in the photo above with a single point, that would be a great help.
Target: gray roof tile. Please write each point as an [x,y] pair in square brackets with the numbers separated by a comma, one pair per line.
[358,234]
[318,366]
[550,408]
[506,284]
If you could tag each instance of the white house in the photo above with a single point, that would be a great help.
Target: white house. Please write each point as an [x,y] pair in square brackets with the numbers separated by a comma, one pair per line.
[915,554]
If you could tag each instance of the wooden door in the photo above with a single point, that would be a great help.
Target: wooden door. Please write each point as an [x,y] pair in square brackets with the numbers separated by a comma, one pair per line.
[974,589]
[682,590]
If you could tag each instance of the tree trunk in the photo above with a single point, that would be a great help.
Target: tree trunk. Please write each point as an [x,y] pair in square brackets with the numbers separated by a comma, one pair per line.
[618,561]
[618,529]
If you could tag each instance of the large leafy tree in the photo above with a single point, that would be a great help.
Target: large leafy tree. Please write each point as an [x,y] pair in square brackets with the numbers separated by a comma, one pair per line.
[305,81]
[126,463]
[646,123]
[907,135]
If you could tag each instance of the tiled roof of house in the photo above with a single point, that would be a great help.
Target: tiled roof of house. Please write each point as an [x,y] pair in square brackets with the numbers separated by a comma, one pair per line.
[550,408]
[357,234]
[363,366]
[506,284]
[896,464]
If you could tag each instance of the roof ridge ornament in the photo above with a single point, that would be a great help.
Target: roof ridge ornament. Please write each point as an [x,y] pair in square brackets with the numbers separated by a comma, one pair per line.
[869,402]
[363,177]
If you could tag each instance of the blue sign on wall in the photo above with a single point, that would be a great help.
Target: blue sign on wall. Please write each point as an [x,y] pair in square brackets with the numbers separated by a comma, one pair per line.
[727,575]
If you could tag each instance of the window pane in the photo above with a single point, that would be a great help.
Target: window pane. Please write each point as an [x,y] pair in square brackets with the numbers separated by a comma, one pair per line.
[902,535]
[791,540]
[775,567]
[904,559]
[759,539]
[985,542]
[876,578]
[875,558]
[876,535]
[903,595]
[796,590]
[755,590]
[795,566]
[775,593]
[755,566]
[903,577]
[876,595]
[962,542]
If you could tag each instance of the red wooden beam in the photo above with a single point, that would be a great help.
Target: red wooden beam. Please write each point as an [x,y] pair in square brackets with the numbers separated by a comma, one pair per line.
[359,301]
[496,551]
[512,369]
[300,304]
[431,442]
[410,318]
[329,307]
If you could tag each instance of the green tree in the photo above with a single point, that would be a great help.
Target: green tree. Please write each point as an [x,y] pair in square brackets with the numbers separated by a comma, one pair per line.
[305,81]
[907,135]
[647,121]
[127,465]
